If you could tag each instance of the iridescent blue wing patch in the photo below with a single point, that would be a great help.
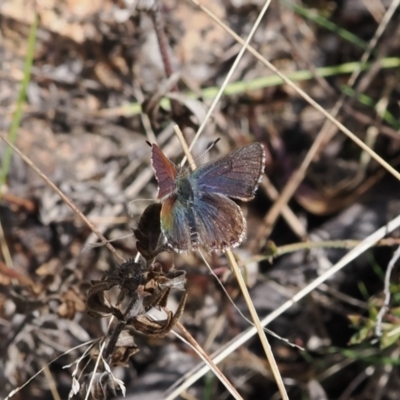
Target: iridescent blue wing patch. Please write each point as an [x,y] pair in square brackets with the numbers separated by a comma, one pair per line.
[178,225]
[236,175]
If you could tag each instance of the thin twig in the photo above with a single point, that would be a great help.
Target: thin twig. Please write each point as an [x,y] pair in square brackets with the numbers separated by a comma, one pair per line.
[65,199]
[266,330]
[245,292]
[326,133]
[164,51]
[52,384]
[231,71]
[14,128]
[285,195]
[258,326]
[15,391]
[386,290]
[242,338]
[332,244]
[210,362]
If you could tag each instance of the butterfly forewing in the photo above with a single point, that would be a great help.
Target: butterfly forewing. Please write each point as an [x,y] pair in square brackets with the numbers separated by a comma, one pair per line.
[165,171]
[220,222]
[236,175]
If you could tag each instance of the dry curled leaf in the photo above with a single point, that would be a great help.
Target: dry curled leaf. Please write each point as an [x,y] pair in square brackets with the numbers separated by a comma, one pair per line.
[71,303]
[123,348]
[148,233]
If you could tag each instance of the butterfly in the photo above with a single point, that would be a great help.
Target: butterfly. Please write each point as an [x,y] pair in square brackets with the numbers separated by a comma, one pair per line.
[196,208]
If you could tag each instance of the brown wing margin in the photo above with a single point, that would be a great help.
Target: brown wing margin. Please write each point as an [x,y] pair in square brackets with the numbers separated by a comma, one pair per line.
[165,172]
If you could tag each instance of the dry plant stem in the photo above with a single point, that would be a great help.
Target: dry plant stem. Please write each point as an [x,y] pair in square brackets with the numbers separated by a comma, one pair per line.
[4,248]
[151,137]
[293,183]
[13,274]
[96,367]
[163,45]
[64,198]
[113,339]
[187,335]
[51,382]
[258,326]
[356,73]
[297,89]
[298,176]
[342,297]
[210,362]
[13,392]
[249,333]
[368,120]
[287,213]
[325,135]
[386,302]
[332,244]
[100,356]
[117,330]
[357,381]
[230,73]
[367,243]
[245,292]
[162,41]
[266,330]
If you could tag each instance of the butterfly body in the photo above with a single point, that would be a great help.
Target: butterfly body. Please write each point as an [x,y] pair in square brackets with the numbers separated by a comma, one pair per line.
[196,208]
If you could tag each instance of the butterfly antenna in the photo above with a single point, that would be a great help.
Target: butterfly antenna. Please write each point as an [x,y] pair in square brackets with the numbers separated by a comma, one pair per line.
[209,147]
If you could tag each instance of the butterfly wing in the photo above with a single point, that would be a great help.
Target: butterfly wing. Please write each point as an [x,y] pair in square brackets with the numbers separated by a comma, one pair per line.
[165,171]
[236,175]
[220,222]
[178,225]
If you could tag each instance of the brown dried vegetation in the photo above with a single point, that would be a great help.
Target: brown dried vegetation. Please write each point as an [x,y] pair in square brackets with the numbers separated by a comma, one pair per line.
[97,64]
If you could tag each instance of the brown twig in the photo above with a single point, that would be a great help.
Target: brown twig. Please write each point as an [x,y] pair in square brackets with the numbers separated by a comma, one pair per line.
[245,292]
[158,22]
[210,362]
[65,199]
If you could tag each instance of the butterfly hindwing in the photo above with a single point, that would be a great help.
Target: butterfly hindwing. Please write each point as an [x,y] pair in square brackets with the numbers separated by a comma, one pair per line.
[236,175]
[220,222]
[165,171]
[178,225]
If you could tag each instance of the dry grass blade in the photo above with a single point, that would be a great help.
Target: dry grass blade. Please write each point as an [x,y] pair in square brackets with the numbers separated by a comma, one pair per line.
[245,45]
[16,120]
[15,391]
[386,302]
[287,213]
[304,95]
[258,326]
[192,342]
[245,292]
[64,198]
[90,59]
[235,343]
[327,133]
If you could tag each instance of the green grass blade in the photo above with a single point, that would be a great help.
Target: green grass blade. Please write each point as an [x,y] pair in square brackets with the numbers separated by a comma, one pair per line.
[369,102]
[242,87]
[21,99]
[322,21]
